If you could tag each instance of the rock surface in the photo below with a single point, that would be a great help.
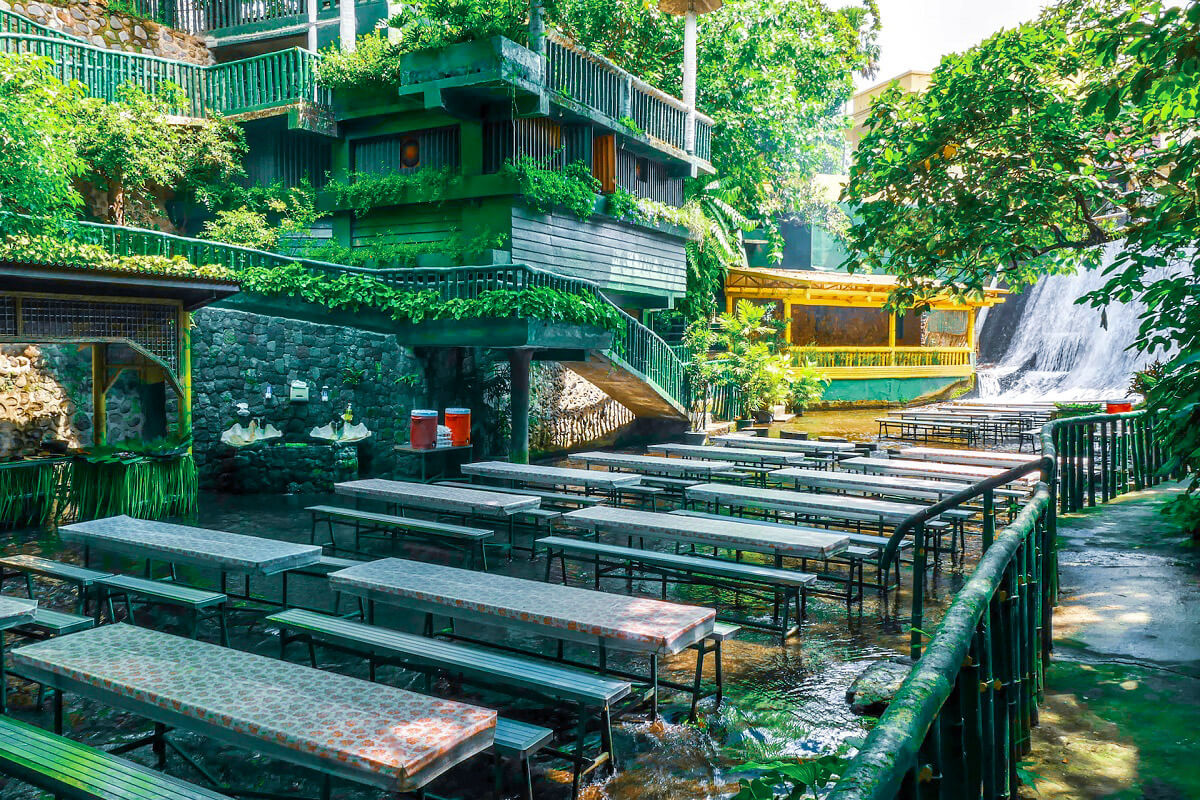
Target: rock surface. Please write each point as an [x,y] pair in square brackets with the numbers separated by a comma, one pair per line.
[877,685]
[93,22]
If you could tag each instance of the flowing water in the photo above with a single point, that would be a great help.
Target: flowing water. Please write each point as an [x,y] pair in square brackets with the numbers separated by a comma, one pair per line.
[1056,349]
[780,702]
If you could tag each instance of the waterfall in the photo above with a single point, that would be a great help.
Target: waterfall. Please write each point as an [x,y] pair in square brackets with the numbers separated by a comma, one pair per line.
[1058,350]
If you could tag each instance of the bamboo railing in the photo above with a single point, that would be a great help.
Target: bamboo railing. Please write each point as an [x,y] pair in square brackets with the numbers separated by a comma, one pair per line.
[962,720]
[635,347]
[882,356]
[277,79]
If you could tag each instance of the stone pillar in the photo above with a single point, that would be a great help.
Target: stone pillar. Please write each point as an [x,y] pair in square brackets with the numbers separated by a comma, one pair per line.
[348,25]
[518,367]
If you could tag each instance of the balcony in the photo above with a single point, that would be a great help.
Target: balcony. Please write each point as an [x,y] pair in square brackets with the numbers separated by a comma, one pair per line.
[887,362]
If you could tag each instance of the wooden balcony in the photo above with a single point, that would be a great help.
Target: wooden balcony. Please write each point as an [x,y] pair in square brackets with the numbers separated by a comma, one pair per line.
[852,363]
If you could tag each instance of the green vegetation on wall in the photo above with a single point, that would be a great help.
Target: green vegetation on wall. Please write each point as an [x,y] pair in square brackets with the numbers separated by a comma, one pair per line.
[355,292]
[57,249]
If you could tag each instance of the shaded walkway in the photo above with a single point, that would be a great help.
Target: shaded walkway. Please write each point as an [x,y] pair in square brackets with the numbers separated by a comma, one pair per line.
[1122,713]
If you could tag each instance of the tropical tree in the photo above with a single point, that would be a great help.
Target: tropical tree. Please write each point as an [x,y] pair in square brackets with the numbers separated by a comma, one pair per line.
[133,148]
[38,161]
[1033,149]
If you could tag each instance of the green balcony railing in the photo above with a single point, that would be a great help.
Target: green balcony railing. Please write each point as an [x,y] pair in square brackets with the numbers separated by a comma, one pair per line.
[598,83]
[962,720]
[635,347]
[272,80]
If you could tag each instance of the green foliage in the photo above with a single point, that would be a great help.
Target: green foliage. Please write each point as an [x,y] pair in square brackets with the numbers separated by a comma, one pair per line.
[631,124]
[1076,409]
[374,64]
[358,292]
[788,779]
[367,190]
[573,187]
[461,251]
[60,249]
[431,24]
[132,149]
[1030,151]
[1184,511]
[241,226]
[754,362]
[717,248]
[147,486]
[37,160]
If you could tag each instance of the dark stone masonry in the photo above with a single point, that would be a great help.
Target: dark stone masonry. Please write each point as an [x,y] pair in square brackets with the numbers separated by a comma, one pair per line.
[237,355]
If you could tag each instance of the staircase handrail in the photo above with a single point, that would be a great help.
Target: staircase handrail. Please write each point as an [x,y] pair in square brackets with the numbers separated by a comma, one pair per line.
[103,71]
[635,346]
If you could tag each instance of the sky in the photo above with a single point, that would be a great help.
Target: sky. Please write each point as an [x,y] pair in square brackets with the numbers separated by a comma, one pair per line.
[917,33]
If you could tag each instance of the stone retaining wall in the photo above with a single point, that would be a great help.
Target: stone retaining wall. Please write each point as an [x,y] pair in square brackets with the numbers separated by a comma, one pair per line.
[94,23]
[235,355]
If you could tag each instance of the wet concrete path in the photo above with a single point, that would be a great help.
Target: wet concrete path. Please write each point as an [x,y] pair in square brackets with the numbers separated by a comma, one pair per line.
[1122,713]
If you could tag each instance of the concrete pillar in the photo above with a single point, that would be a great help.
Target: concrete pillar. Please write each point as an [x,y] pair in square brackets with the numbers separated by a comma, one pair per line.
[348,24]
[518,364]
[689,80]
[312,25]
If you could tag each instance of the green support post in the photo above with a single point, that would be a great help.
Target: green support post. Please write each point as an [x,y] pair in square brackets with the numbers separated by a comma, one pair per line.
[518,361]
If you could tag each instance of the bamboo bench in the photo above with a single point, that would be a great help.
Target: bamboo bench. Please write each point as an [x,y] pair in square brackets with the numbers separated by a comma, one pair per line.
[69,769]
[373,523]
[204,604]
[786,584]
[81,578]
[513,675]
[552,498]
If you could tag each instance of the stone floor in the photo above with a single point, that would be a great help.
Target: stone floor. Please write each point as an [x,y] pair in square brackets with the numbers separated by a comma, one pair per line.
[1122,715]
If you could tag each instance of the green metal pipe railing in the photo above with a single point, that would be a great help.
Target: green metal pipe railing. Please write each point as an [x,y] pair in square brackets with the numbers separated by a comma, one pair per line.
[635,347]
[271,80]
[962,720]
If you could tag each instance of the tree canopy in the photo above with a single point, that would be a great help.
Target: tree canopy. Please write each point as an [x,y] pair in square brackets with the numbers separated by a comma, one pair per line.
[38,159]
[1029,151]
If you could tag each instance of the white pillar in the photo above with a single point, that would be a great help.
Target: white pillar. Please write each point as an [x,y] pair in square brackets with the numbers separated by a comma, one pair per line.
[689,79]
[312,25]
[348,26]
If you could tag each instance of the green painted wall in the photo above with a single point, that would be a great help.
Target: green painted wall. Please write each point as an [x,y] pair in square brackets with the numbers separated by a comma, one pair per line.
[885,390]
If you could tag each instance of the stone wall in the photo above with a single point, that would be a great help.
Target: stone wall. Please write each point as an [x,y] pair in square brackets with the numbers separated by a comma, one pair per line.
[566,410]
[93,22]
[275,468]
[35,406]
[236,355]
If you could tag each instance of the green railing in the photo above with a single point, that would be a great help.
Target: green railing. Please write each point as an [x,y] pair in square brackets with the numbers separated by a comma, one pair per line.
[961,721]
[267,81]
[598,83]
[635,346]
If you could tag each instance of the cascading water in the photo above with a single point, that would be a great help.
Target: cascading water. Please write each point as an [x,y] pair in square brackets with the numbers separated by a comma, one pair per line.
[1058,349]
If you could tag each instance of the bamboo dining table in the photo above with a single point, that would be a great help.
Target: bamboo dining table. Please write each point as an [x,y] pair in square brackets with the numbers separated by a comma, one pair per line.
[607,621]
[368,733]
[558,477]
[14,611]
[730,534]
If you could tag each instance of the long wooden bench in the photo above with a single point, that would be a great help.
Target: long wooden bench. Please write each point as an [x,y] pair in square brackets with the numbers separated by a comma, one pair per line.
[786,585]
[72,770]
[373,523]
[593,695]
[547,498]
[82,578]
[872,548]
[202,603]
